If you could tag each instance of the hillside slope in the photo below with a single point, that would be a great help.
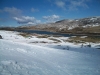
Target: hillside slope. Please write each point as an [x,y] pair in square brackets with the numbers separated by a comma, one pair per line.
[22,58]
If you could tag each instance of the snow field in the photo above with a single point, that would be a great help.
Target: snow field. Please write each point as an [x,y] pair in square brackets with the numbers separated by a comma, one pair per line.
[19,57]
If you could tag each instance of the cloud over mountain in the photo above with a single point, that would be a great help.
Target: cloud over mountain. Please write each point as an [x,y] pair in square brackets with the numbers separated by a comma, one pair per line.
[51,18]
[26,20]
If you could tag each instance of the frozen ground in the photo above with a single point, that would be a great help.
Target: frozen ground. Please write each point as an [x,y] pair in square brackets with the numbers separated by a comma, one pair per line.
[20,57]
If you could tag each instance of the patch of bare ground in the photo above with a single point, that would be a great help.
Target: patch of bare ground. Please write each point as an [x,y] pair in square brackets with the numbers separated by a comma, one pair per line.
[79,39]
[25,35]
[55,40]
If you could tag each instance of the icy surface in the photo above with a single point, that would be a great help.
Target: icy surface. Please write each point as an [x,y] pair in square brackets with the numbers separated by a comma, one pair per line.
[18,57]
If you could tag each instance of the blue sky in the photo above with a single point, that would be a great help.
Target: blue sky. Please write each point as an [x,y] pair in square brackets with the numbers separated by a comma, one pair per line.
[31,12]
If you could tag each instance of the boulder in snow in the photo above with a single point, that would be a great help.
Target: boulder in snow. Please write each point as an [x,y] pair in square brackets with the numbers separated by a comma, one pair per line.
[1,37]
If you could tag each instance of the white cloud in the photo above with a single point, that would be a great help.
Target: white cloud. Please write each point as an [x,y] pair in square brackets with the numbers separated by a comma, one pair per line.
[71,4]
[61,4]
[51,18]
[26,20]
[17,15]
[30,23]
[74,4]
[34,10]
[12,11]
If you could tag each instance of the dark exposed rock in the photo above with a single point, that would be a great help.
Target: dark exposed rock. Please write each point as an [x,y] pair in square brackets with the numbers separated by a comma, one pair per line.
[1,37]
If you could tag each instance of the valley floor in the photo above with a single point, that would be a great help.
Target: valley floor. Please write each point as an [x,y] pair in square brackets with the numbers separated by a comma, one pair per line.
[41,56]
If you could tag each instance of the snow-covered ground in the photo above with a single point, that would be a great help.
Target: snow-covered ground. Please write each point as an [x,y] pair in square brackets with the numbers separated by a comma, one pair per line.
[19,56]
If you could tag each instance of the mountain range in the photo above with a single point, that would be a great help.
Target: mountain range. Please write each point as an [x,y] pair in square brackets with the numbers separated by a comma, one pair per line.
[83,25]
[89,25]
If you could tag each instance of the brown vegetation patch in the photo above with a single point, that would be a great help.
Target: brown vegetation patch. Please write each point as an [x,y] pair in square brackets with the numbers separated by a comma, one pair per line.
[25,34]
[56,40]
[43,36]
[78,39]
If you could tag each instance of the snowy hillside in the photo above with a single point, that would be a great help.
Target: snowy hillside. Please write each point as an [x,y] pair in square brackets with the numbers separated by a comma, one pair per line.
[68,24]
[18,56]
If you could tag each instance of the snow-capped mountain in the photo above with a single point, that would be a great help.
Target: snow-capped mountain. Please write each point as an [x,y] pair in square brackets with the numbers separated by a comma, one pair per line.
[90,25]
[68,24]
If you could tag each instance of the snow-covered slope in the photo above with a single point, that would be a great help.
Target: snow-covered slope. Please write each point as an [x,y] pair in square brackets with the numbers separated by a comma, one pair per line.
[16,37]
[20,58]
